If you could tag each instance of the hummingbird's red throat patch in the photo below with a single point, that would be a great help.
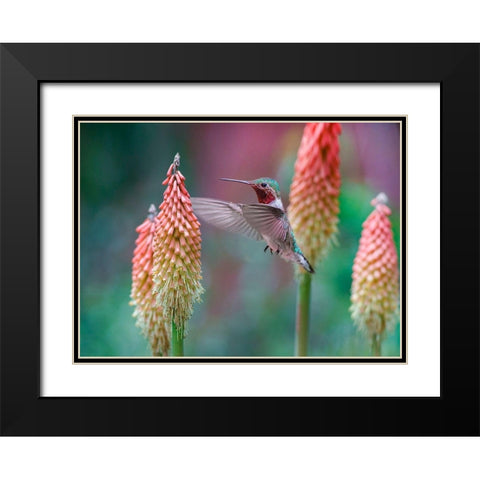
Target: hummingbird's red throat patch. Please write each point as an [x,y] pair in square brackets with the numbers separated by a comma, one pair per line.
[264,195]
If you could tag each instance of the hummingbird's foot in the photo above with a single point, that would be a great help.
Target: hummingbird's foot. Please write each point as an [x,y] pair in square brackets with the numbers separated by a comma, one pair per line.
[278,251]
[266,248]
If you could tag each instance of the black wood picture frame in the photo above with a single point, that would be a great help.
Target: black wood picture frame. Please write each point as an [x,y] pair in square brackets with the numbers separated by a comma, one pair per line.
[24,67]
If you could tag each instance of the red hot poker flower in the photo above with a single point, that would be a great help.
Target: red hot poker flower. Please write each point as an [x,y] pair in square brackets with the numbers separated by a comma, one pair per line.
[149,315]
[313,210]
[177,248]
[375,274]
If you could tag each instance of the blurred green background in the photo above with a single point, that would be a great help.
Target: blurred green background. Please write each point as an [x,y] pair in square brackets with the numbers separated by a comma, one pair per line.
[248,308]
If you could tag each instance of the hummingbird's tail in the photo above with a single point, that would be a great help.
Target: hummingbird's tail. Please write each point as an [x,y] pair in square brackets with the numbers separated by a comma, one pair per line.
[304,263]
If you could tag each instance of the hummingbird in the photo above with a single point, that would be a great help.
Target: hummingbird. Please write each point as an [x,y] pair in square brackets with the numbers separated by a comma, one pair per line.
[265,220]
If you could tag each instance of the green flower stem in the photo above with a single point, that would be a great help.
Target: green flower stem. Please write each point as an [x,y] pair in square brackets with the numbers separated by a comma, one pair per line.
[303,314]
[177,341]
[376,345]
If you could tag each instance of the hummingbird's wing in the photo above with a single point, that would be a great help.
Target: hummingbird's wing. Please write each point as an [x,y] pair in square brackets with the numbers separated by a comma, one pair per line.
[270,221]
[225,215]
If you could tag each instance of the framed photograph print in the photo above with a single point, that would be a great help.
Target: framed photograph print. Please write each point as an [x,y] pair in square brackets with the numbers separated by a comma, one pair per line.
[258,239]
[238,319]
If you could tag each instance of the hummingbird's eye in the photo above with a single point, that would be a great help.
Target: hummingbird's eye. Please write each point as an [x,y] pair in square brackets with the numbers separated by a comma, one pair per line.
[264,185]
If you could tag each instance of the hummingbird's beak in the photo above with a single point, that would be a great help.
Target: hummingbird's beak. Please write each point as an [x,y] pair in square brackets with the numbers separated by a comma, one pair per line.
[234,180]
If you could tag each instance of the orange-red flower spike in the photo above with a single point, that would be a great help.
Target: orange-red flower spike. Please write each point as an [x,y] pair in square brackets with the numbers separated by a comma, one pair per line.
[177,271]
[313,209]
[375,290]
[149,315]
